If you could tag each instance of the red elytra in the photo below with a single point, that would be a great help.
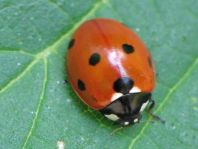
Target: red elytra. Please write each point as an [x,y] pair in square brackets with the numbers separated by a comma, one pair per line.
[106,63]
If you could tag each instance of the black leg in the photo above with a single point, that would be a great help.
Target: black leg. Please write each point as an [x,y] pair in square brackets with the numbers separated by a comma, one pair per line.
[157,118]
[151,106]
[65,81]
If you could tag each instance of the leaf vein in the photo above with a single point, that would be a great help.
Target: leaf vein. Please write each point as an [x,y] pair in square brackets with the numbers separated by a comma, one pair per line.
[52,48]
[59,7]
[14,80]
[38,108]
[167,97]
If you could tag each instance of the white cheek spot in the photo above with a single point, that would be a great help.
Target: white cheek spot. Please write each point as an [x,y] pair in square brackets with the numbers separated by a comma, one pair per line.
[135,89]
[116,96]
[144,106]
[112,117]
[135,120]
[126,123]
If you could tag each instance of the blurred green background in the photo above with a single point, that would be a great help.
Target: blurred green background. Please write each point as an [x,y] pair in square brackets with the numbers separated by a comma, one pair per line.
[37,109]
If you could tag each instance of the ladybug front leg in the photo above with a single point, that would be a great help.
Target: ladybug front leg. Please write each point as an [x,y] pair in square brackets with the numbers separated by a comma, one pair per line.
[149,110]
[151,106]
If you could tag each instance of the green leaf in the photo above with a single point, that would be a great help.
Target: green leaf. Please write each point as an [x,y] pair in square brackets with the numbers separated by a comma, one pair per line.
[38,110]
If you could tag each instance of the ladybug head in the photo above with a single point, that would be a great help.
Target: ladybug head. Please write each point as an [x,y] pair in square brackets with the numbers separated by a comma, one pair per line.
[126,109]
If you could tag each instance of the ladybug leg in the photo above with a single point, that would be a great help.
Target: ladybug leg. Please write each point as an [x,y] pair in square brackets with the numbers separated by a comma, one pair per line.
[152,105]
[137,120]
[155,117]
[65,81]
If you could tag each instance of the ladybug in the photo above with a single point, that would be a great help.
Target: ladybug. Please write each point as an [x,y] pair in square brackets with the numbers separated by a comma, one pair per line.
[111,70]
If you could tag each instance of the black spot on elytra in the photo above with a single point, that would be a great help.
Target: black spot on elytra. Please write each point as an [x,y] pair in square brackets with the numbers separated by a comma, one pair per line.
[150,62]
[123,85]
[71,43]
[128,48]
[81,85]
[94,59]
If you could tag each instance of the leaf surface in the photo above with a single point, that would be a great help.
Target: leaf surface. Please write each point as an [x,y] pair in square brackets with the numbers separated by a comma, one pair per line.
[38,110]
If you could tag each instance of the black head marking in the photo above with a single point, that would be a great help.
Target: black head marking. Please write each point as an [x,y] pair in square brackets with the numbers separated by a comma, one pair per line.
[150,62]
[128,48]
[94,59]
[123,85]
[127,107]
[81,85]
[71,43]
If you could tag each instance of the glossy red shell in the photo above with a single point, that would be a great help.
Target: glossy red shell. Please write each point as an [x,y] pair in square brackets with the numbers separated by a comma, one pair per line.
[106,37]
